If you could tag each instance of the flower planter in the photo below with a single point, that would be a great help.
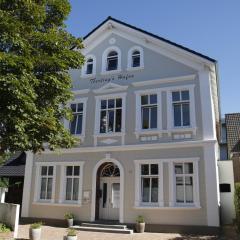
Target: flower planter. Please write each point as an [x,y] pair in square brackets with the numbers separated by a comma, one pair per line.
[70,222]
[35,234]
[140,227]
[71,238]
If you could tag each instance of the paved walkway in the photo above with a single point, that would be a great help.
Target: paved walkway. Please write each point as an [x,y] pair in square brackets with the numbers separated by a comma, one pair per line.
[54,233]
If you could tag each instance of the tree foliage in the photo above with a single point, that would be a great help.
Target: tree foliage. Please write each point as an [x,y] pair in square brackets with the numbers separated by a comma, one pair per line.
[36,53]
[237,204]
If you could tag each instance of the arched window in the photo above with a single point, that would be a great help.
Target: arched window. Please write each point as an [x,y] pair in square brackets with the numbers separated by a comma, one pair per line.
[89,67]
[112,61]
[110,170]
[136,58]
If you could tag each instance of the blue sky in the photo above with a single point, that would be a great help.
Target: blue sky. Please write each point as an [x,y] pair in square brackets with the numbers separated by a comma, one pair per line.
[211,27]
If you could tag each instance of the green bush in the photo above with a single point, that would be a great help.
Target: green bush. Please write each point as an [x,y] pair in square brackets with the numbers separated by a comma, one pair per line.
[68,216]
[4,228]
[237,204]
[71,232]
[140,219]
[36,225]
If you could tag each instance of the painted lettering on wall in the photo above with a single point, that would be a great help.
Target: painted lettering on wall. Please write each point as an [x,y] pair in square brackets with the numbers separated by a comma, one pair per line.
[111,78]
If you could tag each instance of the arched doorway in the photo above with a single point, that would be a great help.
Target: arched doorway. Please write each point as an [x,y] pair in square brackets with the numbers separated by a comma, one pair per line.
[107,199]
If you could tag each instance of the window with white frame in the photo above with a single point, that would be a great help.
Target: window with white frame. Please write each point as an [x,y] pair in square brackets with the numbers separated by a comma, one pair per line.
[149,183]
[111,115]
[72,174]
[76,125]
[136,58]
[149,111]
[89,66]
[184,182]
[181,108]
[112,61]
[46,182]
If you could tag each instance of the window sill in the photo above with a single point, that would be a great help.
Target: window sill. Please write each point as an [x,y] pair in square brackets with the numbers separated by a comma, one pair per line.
[135,68]
[183,129]
[111,72]
[73,204]
[168,208]
[118,134]
[150,132]
[88,75]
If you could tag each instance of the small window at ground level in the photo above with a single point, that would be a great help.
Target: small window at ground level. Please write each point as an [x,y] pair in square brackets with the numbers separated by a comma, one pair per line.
[225,187]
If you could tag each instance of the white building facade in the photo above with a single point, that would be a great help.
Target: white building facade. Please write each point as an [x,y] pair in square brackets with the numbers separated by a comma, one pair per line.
[145,113]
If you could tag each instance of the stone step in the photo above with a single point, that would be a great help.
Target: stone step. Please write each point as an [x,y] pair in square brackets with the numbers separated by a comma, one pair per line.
[101,229]
[100,225]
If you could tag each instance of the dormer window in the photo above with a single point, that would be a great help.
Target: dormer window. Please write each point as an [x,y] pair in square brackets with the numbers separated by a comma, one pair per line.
[112,61]
[136,59]
[89,68]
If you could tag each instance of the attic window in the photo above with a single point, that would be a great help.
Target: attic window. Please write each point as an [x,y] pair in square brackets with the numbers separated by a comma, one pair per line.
[136,59]
[89,69]
[112,61]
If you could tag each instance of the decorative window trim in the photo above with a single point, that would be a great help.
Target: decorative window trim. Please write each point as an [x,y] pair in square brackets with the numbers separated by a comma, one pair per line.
[104,60]
[138,129]
[82,91]
[84,68]
[138,202]
[67,123]
[97,117]
[110,87]
[63,183]
[131,50]
[172,187]
[38,182]
[170,117]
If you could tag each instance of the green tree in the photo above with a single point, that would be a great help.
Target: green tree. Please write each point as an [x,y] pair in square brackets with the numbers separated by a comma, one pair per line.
[36,53]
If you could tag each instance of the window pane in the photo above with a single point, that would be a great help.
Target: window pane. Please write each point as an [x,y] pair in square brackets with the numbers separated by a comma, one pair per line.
[89,68]
[50,170]
[73,124]
[186,114]
[178,169]
[118,125]
[188,168]
[68,189]
[76,171]
[154,169]
[75,189]
[145,118]
[154,117]
[179,190]
[153,99]
[79,124]
[135,61]
[69,171]
[103,104]
[145,189]
[189,189]
[110,121]
[144,99]
[176,96]
[80,107]
[43,188]
[44,171]
[145,169]
[104,194]
[112,53]
[177,115]
[118,102]
[116,195]
[112,64]
[73,107]
[111,103]
[103,122]
[154,190]
[49,188]
[185,95]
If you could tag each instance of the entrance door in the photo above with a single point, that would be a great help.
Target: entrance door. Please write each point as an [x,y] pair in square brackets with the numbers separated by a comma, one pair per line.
[110,198]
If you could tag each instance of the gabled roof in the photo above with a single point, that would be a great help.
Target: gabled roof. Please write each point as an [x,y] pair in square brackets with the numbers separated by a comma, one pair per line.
[152,35]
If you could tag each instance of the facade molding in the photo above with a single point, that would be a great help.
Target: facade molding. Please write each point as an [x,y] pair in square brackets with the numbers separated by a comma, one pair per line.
[110,87]
[82,91]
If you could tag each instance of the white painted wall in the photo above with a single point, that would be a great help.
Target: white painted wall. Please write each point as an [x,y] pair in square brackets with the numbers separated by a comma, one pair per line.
[226,198]
[9,215]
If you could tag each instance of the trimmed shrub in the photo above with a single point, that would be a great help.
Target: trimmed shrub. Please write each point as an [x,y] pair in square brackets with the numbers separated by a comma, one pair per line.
[237,204]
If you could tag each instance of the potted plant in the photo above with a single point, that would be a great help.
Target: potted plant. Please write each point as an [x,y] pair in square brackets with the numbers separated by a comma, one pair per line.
[69,217]
[140,224]
[71,234]
[35,231]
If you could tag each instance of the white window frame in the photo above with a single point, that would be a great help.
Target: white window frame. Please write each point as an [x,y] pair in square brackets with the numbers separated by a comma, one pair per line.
[97,116]
[138,197]
[62,195]
[38,182]
[138,124]
[104,60]
[172,183]
[67,123]
[170,113]
[130,52]
[84,68]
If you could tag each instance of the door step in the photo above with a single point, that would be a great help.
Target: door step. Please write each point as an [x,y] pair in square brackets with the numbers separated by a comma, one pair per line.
[108,228]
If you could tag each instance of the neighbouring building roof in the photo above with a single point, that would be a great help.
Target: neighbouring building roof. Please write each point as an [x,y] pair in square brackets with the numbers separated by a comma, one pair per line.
[14,166]
[233,132]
